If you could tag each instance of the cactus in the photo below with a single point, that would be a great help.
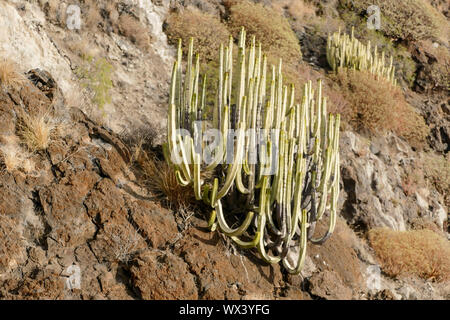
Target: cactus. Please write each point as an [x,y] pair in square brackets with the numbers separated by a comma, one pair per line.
[271,205]
[344,51]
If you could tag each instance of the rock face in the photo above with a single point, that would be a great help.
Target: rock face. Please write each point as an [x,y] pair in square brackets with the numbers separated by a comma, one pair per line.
[76,223]
[373,178]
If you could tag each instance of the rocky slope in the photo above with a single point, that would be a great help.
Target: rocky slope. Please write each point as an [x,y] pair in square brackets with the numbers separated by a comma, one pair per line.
[80,204]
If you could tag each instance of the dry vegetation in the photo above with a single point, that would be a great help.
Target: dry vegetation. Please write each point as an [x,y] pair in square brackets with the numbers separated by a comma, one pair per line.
[36,131]
[269,27]
[13,158]
[421,253]
[409,20]
[10,76]
[207,30]
[123,240]
[377,106]
[297,10]
[134,30]
[161,181]
[437,170]
[436,72]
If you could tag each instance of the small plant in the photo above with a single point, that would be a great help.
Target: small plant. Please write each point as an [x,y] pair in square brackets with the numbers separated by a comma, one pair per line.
[96,77]
[134,30]
[345,51]
[277,37]
[10,77]
[36,131]
[421,253]
[378,107]
[437,170]
[409,20]
[208,31]
[124,241]
[14,158]
[161,180]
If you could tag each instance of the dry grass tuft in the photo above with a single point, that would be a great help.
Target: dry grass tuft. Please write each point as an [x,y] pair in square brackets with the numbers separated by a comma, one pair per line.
[36,131]
[268,26]
[134,30]
[378,107]
[207,30]
[13,157]
[421,253]
[10,76]
[161,181]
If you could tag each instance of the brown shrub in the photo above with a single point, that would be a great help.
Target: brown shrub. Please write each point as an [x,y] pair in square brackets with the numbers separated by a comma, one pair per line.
[377,106]
[409,20]
[134,30]
[437,170]
[297,10]
[421,253]
[435,73]
[90,13]
[161,181]
[208,32]
[412,181]
[268,26]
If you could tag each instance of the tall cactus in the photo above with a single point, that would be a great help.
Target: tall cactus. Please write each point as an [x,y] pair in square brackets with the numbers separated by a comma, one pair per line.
[344,51]
[277,168]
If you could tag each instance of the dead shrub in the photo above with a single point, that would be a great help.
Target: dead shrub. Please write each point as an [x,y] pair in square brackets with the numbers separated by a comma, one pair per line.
[297,10]
[134,30]
[161,181]
[409,20]
[208,32]
[421,253]
[14,158]
[123,240]
[91,15]
[10,76]
[378,107]
[437,170]
[268,26]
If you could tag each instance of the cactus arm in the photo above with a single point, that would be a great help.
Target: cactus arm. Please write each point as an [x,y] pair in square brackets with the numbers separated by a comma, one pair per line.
[224,226]
[197,180]
[214,192]
[180,179]
[232,171]
[302,248]
[212,224]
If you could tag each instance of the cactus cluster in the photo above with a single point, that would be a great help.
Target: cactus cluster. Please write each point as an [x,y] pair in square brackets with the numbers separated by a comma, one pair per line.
[275,172]
[344,51]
